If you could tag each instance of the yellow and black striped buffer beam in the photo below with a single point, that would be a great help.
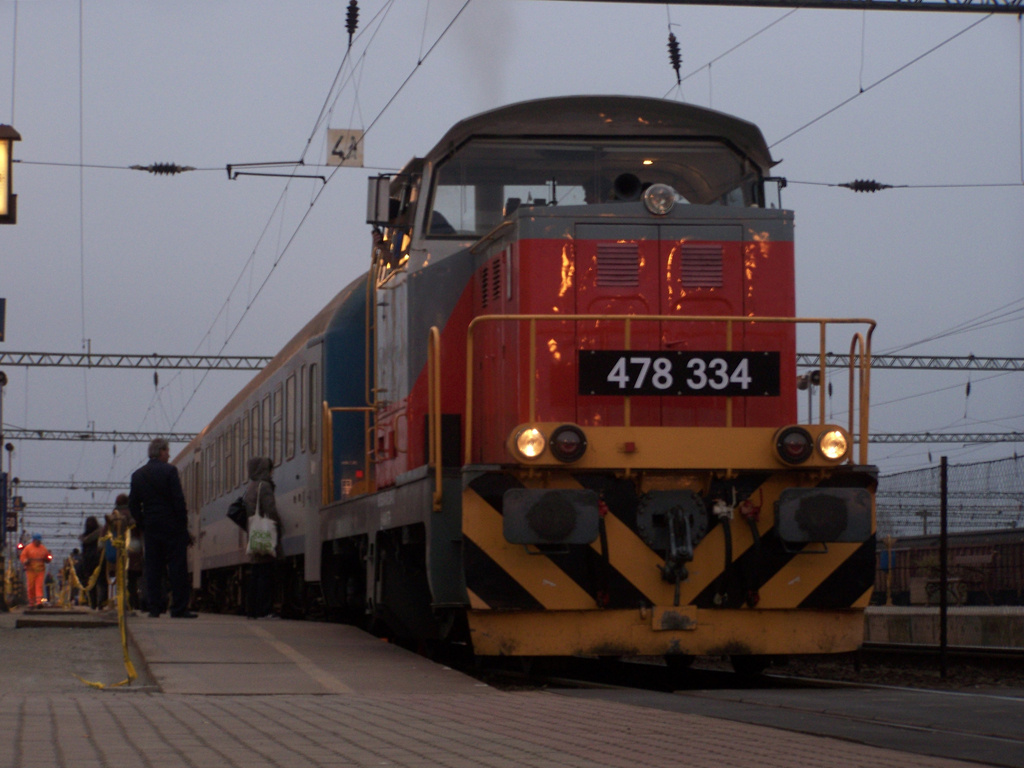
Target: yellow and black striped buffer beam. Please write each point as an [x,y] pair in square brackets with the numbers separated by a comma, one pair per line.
[621,570]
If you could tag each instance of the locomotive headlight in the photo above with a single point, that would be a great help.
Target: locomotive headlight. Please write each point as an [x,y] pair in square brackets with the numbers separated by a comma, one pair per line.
[833,444]
[659,199]
[794,445]
[568,443]
[530,442]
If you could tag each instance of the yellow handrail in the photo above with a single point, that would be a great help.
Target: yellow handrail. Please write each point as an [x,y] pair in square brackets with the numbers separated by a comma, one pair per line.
[327,448]
[858,342]
[862,365]
[434,410]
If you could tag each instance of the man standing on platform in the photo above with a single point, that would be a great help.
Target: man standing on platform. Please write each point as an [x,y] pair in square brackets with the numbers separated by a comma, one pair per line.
[157,504]
[35,557]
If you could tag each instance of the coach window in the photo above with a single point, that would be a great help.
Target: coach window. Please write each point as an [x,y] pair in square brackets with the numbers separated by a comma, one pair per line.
[299,413]
[243,446]
[278,420]
[289,417]
[253,448]
[232,457]
[264,440]
[220,464]
[187,485]
[207,462]
[214,470]
[239,463]
[314,406]
[207,472]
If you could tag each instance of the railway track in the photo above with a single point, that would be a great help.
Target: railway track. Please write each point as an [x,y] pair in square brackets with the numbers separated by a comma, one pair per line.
[910,709]
[901,665]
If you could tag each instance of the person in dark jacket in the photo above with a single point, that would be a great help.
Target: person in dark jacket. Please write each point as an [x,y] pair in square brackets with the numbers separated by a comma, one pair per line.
[90,562]
[259,598]
[157,504]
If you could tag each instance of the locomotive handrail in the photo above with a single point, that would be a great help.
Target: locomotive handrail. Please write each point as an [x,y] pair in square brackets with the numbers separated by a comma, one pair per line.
[327,451]
[858,342]
[434,410]
[861,364]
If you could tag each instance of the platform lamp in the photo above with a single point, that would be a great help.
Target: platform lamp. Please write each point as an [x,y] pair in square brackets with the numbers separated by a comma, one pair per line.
[8,200]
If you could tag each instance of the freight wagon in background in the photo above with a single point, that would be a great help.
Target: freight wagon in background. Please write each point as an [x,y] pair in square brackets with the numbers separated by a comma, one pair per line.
[984,568]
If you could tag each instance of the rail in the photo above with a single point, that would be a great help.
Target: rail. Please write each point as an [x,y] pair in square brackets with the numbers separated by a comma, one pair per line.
[859,367]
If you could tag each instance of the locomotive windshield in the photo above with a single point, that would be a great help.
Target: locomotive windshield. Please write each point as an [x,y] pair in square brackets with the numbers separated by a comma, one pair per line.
[486,178]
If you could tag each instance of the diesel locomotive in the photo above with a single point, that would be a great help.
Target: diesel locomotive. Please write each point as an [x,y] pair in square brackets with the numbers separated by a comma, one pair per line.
[559,413]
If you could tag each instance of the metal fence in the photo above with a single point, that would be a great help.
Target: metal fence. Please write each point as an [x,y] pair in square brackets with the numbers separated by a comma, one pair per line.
[985,524]
[986,495]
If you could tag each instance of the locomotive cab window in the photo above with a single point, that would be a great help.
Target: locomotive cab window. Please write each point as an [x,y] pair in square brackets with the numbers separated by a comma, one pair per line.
[486,179]
[392,251]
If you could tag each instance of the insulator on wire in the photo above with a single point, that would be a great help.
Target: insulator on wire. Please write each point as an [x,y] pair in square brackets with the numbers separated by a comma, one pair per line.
[865,185]
[163,169]
[675,56]
[352,19]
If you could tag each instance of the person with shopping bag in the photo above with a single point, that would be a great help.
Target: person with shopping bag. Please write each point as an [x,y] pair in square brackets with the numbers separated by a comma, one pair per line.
[264,537]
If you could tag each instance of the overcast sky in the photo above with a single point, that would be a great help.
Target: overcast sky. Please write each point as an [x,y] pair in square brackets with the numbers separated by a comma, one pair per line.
[136,263]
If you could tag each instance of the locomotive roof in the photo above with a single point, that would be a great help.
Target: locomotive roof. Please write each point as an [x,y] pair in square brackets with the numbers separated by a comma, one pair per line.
[608,117]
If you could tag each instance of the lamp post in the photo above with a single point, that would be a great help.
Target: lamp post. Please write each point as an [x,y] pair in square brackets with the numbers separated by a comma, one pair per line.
[3,507]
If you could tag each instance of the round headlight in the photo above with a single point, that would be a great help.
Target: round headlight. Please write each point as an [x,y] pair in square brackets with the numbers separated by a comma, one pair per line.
[794,445]
[833,444]
[530,442]
[659,199]
[568,443]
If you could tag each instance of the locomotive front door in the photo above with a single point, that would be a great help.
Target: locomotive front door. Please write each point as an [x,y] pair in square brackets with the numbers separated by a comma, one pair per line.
[668,269]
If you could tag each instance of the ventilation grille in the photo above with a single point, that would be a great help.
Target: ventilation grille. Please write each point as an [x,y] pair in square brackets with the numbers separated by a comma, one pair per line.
[701,266]
[618,265]
[490,282]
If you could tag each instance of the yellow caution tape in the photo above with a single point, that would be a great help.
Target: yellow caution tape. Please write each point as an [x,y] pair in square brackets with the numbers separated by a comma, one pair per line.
[121,544]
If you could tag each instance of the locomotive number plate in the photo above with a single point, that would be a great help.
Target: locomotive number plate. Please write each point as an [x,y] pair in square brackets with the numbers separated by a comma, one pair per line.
[676,372]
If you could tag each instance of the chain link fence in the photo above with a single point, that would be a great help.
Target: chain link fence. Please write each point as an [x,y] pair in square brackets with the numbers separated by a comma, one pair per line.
[985,524]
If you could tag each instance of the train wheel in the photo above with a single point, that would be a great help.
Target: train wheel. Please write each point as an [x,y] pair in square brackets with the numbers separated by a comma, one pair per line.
[749,666]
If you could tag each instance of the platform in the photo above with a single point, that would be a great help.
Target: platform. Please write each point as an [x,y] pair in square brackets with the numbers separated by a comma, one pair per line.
[226,692]
[982,626]
[218,654]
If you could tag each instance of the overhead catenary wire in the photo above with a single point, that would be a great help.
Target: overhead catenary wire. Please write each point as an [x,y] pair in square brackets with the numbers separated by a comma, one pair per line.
[973,185]
[223,322]
[298,227]
[276,213]
[734,48]
[995,316]
[881,80]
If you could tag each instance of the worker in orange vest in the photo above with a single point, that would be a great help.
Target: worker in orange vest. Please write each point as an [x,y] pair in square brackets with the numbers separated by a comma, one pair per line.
[35,558]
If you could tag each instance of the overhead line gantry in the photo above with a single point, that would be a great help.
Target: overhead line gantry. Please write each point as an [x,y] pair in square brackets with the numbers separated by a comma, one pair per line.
[93,360]
[258,362]
[14,433]
[186,437]
[941,6]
